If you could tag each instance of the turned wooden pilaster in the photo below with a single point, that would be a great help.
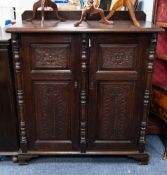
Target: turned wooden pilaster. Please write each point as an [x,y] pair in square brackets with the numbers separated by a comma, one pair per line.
[147,94]
[84,91]
[19,90]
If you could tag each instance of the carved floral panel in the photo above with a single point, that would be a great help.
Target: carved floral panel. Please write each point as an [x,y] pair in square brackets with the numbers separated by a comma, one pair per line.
[117,56]
[50,56]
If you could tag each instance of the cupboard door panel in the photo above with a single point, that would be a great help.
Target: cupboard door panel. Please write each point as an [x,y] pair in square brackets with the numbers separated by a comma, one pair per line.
[116,92]
[52,92]
[115,109]
[50,56]
[111,117]
[117,56]
[53,113]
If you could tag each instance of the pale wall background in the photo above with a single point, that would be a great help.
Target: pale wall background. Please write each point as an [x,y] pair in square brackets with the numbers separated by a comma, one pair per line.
[21,5]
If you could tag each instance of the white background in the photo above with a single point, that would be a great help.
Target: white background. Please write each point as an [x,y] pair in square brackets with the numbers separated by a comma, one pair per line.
[21,5]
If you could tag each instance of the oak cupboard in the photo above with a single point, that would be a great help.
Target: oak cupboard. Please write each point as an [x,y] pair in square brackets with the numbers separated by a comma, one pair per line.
[83,91]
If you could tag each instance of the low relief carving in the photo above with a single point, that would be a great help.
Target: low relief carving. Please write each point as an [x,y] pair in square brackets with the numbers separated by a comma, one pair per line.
[54,56]
[52,111]
[113,120]
[117,57]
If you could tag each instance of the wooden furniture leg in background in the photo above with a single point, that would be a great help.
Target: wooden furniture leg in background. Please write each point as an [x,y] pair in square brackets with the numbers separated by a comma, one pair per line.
[117,5]
[129,5]
[165,153]
[92,9]
[44,3]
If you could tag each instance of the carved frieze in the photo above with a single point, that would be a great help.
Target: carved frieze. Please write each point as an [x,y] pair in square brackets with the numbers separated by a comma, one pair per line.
[114,57]
[50,56]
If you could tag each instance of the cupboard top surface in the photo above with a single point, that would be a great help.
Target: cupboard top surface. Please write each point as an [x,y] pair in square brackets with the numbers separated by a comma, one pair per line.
[51,26]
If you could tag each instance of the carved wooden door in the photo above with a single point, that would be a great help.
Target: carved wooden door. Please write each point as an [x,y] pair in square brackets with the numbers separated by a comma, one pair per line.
[117,72]
[50,66]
